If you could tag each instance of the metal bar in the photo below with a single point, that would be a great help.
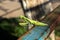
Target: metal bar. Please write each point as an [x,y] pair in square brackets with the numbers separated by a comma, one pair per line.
[54,24]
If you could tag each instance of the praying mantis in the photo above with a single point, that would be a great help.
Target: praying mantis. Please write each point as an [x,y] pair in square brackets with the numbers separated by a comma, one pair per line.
[36,23]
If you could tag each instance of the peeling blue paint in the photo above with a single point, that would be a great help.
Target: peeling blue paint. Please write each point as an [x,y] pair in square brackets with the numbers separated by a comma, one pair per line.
[37,33]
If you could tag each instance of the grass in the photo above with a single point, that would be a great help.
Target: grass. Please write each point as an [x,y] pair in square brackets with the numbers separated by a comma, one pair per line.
[57,33]
[12,26]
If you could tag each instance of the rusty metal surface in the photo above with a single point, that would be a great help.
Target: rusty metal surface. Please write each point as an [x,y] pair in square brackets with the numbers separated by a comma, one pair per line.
[54,19]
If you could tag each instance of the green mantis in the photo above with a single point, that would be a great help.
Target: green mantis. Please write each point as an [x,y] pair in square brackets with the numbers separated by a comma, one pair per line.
[36,23]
